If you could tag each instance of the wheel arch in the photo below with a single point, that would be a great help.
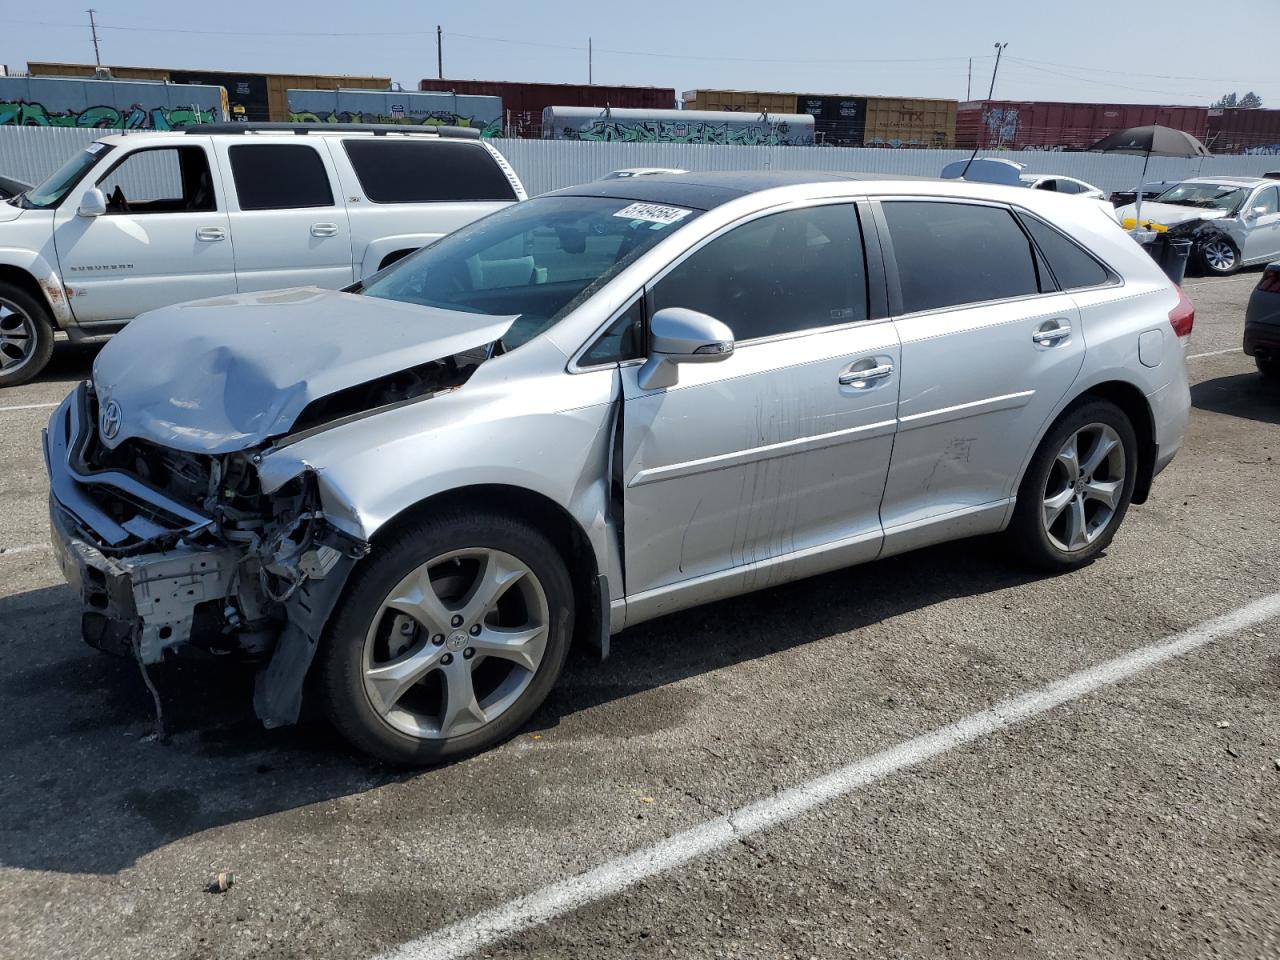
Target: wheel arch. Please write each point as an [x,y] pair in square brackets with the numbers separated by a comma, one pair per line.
[48,292]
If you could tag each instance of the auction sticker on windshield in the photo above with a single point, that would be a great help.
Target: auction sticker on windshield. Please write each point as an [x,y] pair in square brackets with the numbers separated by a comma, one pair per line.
[653,213]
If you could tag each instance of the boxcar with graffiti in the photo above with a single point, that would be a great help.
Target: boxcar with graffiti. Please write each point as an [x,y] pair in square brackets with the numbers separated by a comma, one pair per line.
[677,126]
[407,107]
[108,104]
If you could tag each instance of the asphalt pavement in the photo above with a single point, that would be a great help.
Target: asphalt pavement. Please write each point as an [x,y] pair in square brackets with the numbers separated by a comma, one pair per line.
[941,754]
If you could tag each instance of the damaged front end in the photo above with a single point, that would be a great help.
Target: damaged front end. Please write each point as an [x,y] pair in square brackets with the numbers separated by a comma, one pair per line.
[178,552]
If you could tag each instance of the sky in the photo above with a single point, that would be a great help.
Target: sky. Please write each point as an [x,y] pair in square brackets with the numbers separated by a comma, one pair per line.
[1081,50]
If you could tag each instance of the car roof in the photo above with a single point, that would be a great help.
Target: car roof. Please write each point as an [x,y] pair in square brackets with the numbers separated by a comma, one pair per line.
[703,191]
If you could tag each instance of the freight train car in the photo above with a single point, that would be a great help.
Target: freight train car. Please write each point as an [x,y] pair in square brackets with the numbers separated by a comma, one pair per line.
[108,104]
[1240,130]
[677,126]
[251,96]
[1054,125]
[845,120]
[407,107]
[523,103]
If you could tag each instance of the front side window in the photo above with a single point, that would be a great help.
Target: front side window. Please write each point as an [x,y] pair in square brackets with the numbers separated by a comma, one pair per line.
[1267,201]
[279,176]
[782,273]
[622,340]
[950,254]
[401,170]
[164,180]
[534,261]
[58,184]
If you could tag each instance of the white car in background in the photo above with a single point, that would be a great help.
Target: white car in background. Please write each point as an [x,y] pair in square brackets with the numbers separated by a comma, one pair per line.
[1057,183]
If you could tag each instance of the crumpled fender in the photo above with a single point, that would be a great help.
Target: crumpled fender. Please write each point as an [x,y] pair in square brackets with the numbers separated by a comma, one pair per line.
[46,275]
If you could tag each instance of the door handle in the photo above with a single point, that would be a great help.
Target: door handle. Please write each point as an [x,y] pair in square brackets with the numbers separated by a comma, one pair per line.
[210,233]
[1047,336]
[324,229]
[861,379]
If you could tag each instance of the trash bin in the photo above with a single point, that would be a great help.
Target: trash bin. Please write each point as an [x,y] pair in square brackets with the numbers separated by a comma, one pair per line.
[1173,258]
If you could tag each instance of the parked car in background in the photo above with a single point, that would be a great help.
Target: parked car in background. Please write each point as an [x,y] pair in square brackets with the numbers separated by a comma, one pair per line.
[1150,191]
[1231,221]
[1262,323]
[140,221]
[1059,184]
[606,404]
[9,187]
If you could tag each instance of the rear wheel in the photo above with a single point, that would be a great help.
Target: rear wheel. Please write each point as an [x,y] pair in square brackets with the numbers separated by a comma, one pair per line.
[448,640]
[1077,488]
[26,336]
[1219,256]
[1268,367]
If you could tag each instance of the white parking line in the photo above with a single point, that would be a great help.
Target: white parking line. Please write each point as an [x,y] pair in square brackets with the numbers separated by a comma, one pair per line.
[608,879]
[1221,280]
[1214,353]
[30,406]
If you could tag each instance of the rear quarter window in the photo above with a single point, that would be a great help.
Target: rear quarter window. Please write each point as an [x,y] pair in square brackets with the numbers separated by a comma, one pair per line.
[409,171]
[1072,265]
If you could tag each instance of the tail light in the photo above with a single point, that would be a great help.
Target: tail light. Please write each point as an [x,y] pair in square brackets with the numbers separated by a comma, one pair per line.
[1182,317]
[1270,281]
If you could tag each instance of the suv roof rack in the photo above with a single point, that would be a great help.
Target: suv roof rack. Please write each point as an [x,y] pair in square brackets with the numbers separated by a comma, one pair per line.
[377,129]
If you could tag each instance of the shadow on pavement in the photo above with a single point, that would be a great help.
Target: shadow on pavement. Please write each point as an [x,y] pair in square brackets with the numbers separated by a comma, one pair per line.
[70,362]
[84,789]
[1249,396]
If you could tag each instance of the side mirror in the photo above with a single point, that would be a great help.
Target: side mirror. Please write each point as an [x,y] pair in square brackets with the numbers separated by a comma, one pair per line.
[92,204]
[1258,212]
[676,336]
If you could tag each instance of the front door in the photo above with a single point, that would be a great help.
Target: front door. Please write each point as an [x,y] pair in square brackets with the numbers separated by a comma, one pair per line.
[164,238]
[986,358]
[771,463]
[1262,229]
[287,215]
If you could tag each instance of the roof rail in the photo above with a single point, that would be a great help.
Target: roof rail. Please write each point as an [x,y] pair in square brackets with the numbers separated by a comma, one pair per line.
[377,129]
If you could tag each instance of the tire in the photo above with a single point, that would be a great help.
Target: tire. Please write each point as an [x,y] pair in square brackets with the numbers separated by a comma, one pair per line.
[26,336]
[1090,505]
[372,648]
[1268,367]
[1218,256]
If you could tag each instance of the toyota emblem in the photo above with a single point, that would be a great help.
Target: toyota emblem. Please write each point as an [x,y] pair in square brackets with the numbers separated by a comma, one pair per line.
[110,420]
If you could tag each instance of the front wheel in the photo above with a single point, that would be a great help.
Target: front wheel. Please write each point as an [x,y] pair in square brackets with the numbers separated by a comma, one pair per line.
[26,336]
[448,638]
[1077,488]
[1219,256]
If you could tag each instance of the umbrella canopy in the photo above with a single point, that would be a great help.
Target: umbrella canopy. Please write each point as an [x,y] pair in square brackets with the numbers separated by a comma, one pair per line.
[1152,141]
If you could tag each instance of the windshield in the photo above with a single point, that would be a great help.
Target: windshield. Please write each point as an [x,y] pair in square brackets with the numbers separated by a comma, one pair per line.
[535,260]
[1210,196]
[51,192]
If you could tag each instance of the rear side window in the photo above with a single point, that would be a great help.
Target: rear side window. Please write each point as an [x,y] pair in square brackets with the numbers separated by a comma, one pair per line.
[414,171]
[279,176]
[1073,267]
[950,254]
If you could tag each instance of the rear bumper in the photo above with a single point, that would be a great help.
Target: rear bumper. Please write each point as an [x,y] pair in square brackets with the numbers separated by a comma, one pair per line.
[1262,339]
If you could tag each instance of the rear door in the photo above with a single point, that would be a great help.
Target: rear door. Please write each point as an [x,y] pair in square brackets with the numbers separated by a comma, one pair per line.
[989,348]
[288,221]
[778,454]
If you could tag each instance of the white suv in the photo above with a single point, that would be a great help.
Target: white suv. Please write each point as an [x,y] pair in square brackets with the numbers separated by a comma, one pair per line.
[140,221]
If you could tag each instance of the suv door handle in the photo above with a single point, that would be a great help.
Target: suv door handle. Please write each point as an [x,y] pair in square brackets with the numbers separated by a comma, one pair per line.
[210,233]
[1054,331]
[324,229]
[861,379]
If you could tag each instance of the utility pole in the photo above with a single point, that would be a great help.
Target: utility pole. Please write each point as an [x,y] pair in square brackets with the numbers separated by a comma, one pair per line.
[999,50]
[93,27]
[968,84]
[588,61]
[977,136]
[439,52]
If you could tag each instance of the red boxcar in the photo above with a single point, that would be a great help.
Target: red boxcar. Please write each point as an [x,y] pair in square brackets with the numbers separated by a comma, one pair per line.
[1244,131]
[523,103]
[1046,125]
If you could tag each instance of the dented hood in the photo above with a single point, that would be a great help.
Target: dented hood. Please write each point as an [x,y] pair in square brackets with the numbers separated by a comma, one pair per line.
[220,375]
[1170,214]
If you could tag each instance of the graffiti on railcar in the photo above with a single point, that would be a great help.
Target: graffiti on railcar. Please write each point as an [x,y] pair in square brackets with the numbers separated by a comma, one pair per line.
[25,113]
[685,131]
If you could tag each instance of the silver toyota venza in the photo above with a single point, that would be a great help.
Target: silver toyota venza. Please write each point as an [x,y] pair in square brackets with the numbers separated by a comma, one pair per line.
[603,405]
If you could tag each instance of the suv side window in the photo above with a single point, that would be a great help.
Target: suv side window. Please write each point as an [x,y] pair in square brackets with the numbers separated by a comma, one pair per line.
[401,170]
[279,176]
[782,273]
[1074,267]
[950,254]
[160,180]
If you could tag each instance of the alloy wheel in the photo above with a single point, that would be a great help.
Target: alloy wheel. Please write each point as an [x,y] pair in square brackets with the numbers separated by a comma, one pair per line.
[455,643]
[1219,255]
[17,337]
[1084,488]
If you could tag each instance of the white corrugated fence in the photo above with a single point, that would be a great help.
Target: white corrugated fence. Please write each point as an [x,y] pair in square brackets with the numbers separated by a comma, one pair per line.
[32,153]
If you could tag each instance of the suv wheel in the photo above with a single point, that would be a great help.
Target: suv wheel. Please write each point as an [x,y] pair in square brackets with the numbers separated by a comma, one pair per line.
[26,336]
[448,639]
[1219,256]
[1077,488]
